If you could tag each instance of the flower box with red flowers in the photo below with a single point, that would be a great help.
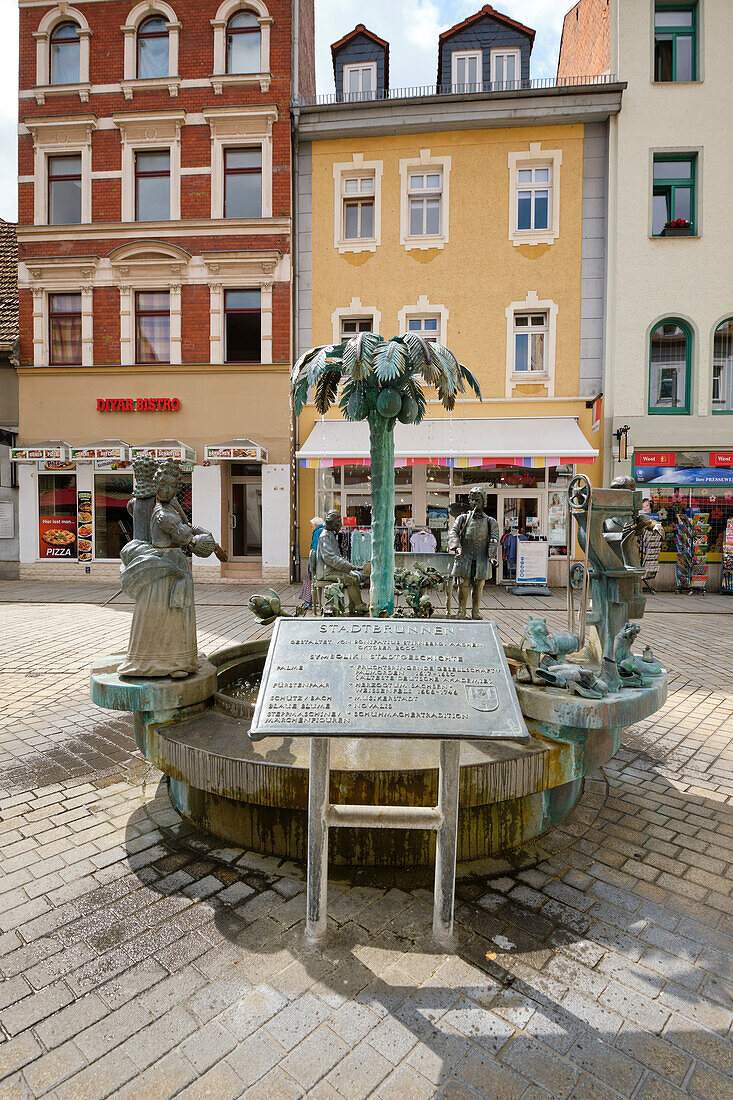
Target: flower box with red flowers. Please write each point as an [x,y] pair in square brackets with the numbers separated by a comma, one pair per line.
[680,227]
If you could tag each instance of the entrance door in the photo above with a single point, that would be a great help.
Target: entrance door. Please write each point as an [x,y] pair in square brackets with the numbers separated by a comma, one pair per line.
[245,517]
[521,516]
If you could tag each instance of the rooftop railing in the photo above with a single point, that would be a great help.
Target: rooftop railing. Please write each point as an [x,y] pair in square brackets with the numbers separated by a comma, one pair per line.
[425,91]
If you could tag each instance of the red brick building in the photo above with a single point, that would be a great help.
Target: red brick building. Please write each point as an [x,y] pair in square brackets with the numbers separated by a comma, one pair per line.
[155,262]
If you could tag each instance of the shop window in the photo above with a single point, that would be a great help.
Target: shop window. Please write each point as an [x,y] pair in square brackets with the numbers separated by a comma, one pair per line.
[427,327]
[723,367]
[152,327]
[152,49]
[243,43]
[675,42]
[670,359]
[243,183]
[425,199]
[358,208]
[112,521]
[352,326]
[360,81]
[466,71]
[152,186]
[530,340]
[673,194]
[65,54]
[64,190]
[64,329]
[243,326]
[57,522]
[505,68]
[534,190]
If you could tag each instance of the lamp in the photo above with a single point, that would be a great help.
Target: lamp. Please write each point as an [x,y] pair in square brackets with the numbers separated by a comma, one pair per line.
[622,437]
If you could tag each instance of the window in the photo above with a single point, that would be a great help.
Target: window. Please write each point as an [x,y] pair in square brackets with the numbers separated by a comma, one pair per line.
[358,207]
[352,326]
[360,81]
[466,75]
[152,48]
[530,333]
[64,190]
[65,52]
[152,327]
[669,368]
[427,327]
[533,197]
[723,367]
[243,326]
[243,183]
[425,190]
[64,329]
[112,521]
[243,43]
[675,42]
[673,192]
[505,67]
[152,186]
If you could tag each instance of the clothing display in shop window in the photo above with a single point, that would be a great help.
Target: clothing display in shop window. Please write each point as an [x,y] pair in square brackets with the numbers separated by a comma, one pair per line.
[344,541]
[361,546]
[423,541]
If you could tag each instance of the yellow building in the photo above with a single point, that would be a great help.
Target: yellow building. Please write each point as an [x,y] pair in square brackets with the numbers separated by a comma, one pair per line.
[478,220]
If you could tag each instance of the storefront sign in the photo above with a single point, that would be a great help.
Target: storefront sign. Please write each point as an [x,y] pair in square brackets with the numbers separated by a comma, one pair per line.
[121,465]
[7,524]
[31,454]
[532,562]
[654,458]
[138,404]
[57,537]
[112,450]
[165,448]
[721,458]
[235,449]
[84,525]
[683,475]
[57,467]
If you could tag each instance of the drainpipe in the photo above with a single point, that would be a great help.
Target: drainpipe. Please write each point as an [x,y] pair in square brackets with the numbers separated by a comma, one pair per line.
[294,437]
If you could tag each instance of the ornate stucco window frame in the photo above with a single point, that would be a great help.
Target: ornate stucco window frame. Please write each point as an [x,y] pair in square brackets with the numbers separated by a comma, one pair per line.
[424,308]
[139,13]
[532,303]
[150,131]
[59,275]
[244,126]
[62,13]
[354,309]
[243,270]
[425,161]
[61,136]
[533,157]
[220,76]
[148,265]
[357,166]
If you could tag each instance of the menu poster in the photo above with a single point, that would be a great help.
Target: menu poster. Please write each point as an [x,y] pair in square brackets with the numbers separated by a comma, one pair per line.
[84,528]
[57,536]
[557,535]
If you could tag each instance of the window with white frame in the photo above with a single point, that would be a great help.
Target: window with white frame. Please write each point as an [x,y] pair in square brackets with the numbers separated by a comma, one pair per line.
[349,320]
[241,44]
[425,200]
[427,327]
[534,188]
[151,165]
[360,81]
[150,53]
[530,343]
[62,53]
[466,70]
[352,326]
[425,318]
[62,170]
[505,68]
[358,207]
[241,161]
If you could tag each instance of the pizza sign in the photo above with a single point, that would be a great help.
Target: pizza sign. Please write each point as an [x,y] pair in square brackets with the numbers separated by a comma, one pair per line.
[57,537]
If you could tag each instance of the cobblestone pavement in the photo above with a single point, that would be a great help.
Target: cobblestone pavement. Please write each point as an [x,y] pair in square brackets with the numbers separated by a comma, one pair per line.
[141,960]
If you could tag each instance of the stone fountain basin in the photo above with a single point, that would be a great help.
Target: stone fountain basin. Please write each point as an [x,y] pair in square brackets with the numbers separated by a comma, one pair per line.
[255,794]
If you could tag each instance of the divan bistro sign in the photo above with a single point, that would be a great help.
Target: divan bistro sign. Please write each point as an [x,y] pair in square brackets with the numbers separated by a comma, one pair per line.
[138,404]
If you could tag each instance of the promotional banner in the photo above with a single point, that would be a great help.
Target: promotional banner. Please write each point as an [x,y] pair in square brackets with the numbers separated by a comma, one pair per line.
[57,537]
[683,475]
[84,525]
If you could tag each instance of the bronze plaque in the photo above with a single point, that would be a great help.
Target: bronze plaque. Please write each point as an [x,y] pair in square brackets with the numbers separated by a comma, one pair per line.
[387,678]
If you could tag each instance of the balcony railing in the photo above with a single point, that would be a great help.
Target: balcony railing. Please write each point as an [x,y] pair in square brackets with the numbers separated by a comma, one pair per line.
[425,91]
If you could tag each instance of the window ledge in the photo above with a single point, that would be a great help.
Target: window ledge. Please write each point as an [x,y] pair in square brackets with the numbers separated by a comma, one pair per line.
[43,90]
[358,246]
[424,243]
[681,237]
[668,412]
[529,377]
[722,412]
[673,83]
[172,83]
[533,236]
[220,80]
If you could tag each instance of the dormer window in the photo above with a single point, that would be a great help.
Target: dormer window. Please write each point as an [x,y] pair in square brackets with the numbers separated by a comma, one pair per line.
[505,68]
[152,49]
[243,43]
[466,70]
[360,81]
[65,51]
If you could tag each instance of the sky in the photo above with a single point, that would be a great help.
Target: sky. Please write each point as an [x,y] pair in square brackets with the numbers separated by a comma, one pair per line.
[410,26]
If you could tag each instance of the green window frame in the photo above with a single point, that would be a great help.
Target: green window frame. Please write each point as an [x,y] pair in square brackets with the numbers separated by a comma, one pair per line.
[675,43]
[722,376]
[667,378]
[673,190]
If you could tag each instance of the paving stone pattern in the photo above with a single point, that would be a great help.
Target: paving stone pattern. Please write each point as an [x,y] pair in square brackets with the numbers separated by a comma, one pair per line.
[140,958]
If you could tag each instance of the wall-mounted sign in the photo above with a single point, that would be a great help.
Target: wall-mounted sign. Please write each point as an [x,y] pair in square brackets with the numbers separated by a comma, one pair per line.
[54,467]
[57,537]
[138,404]
[236,449]
[110,450]
[7,522]
[84,525]
[721,458]
[654,458]
[58,451]
[166,448]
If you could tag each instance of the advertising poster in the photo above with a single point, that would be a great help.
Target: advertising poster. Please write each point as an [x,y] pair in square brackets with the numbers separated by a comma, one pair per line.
[556,535]
[84,525]
[532,562]
[57,537]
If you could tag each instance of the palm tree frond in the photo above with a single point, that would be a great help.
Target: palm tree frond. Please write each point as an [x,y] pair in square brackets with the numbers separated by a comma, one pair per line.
[415,390]
[326,390]
[390,359]
[301,365]
[300,395]
[418,348]
[467,376]
[359,354]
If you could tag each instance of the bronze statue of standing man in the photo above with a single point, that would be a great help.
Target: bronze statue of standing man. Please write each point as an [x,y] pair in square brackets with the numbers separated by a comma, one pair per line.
[473,539]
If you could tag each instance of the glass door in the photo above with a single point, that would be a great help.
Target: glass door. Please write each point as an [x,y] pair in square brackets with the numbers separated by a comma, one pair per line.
[245,517]
[522,519]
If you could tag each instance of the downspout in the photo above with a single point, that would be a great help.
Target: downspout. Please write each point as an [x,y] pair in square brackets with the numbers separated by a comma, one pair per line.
[294,427]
